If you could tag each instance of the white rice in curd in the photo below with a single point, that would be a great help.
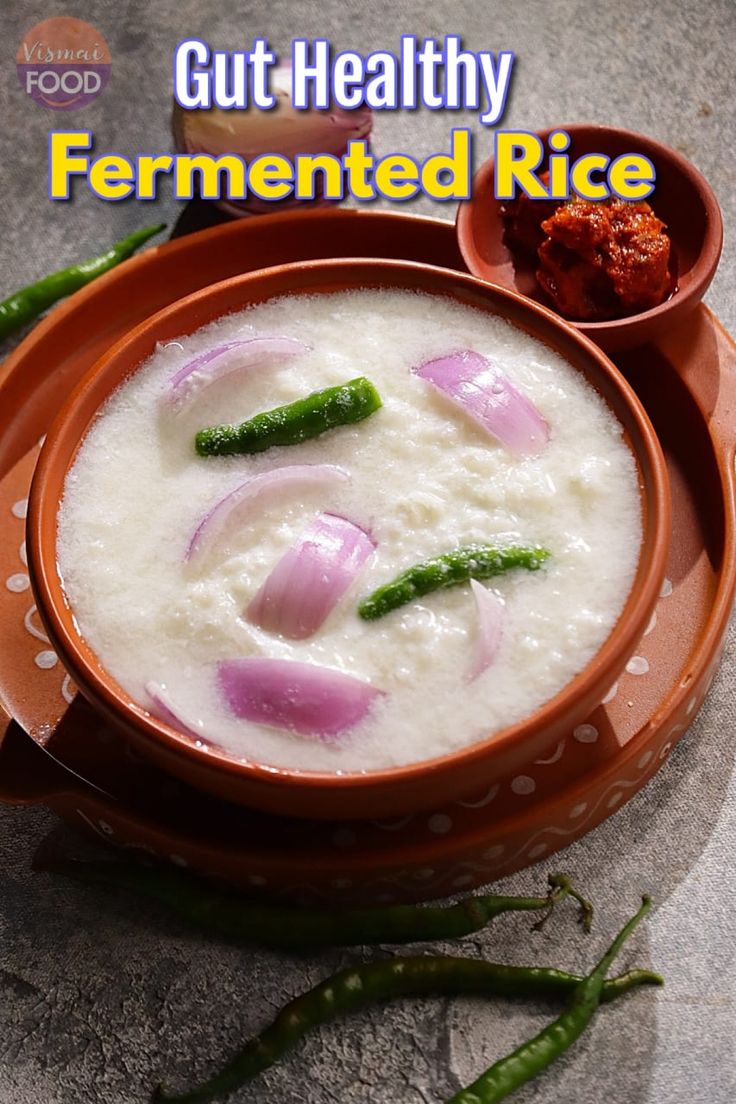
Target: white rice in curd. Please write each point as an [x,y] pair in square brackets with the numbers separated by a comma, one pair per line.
[424,479]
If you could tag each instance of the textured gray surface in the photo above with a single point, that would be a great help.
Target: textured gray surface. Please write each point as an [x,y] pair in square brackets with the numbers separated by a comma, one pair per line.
[99,997]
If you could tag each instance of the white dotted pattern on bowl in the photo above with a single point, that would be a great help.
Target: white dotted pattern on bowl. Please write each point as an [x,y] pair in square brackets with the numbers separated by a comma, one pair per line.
[638,665]
[523,784]
[586,734]
[46,660]
[463,874]
[18,583]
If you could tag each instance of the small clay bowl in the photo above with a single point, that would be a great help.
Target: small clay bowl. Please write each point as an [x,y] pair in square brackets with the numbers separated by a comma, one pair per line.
[399,790]
[682,198]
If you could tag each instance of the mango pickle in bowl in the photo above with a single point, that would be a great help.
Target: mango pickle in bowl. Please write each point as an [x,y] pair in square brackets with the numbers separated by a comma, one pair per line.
[621,272]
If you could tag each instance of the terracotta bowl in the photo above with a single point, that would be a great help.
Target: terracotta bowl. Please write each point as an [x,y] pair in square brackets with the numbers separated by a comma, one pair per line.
[682,198]
[382,793]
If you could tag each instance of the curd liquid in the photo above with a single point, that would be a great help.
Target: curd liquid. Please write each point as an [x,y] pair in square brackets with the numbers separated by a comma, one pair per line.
[424,479]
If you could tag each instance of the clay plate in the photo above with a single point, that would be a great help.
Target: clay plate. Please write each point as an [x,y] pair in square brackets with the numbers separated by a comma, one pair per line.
[688,384]
[397,790]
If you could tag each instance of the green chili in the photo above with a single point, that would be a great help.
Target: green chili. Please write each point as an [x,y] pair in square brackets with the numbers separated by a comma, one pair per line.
[225,914]
[297,421]
[535,1055]
[25,305]
[476,561]
[363,985]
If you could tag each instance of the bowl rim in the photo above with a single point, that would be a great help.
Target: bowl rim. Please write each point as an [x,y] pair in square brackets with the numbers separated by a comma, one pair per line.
[700,274]
[60,448]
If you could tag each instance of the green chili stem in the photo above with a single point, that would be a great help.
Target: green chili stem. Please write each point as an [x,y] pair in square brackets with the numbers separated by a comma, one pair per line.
[363,985]
[25,305]
[561,886]
[532,1057]
[477,561]
[225,914]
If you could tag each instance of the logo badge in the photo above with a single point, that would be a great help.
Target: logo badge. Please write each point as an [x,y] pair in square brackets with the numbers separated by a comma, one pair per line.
[63,63]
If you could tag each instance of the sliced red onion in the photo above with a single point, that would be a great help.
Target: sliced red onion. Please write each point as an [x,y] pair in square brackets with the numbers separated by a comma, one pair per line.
[490,628]
[167,712]
[285,130]
[267,485]
[489,398]
[205,369]
[313,701]
[311,578]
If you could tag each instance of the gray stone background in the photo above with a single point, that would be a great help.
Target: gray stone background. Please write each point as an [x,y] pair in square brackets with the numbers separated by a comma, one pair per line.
[100,997]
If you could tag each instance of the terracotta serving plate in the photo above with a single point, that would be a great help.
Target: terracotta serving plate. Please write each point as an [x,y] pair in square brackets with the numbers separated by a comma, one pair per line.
[392,791]
[688,384]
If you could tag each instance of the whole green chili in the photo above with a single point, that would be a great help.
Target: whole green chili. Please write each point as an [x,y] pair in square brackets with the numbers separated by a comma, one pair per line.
[225,914]
[475,561]
[363,985]
[295,422]
[26,304]
[532,1057]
